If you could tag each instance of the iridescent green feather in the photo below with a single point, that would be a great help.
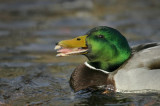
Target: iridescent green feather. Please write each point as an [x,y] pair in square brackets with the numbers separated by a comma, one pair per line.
[108,48]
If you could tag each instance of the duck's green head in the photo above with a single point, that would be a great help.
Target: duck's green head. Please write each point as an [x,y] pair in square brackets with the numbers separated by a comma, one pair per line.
[105,47]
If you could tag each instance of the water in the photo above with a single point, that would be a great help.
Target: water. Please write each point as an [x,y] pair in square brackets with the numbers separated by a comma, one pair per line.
[31,74]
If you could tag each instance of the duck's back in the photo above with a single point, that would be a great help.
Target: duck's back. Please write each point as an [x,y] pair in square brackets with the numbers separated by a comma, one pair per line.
[142,70]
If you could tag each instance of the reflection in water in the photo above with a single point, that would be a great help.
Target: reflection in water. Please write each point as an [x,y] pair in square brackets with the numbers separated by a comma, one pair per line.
[97,98]
[30,74]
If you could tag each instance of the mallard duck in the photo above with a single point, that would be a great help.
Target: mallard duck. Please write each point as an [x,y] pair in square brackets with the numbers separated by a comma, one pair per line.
[112,63]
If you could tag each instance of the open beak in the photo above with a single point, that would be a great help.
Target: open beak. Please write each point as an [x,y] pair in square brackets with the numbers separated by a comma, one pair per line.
[74,46]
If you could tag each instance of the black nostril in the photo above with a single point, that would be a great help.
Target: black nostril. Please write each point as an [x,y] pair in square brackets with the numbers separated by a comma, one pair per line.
[56,43]
[78,38]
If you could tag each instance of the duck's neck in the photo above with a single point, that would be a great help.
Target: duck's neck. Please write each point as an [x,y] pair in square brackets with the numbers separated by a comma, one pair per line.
[107,66]
[110,65]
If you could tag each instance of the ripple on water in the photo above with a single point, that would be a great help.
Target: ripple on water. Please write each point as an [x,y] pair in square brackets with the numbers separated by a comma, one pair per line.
[30,74]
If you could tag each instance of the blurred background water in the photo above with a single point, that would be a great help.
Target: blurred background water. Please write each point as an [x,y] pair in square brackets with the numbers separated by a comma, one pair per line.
[31,74]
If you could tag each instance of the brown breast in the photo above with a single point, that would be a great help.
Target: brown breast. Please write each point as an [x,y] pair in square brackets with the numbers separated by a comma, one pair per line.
[84,77]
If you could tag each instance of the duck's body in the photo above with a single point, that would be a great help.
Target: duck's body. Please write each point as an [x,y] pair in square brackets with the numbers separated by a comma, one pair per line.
[141,71]
[114,65]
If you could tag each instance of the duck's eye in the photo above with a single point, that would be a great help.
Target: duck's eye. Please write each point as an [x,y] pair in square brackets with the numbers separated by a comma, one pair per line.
[100,36]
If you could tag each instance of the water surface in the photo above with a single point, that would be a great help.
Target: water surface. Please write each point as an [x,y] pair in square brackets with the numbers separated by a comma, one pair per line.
[31,74]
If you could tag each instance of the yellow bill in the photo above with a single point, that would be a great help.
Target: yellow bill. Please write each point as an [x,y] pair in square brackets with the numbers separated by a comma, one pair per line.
[72,47]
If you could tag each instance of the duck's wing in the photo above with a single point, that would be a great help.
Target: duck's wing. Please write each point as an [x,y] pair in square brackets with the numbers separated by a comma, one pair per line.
[138,48]
[145,55]
[142,70]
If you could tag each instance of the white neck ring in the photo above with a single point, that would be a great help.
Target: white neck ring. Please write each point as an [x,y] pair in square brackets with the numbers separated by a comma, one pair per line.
[91,67]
